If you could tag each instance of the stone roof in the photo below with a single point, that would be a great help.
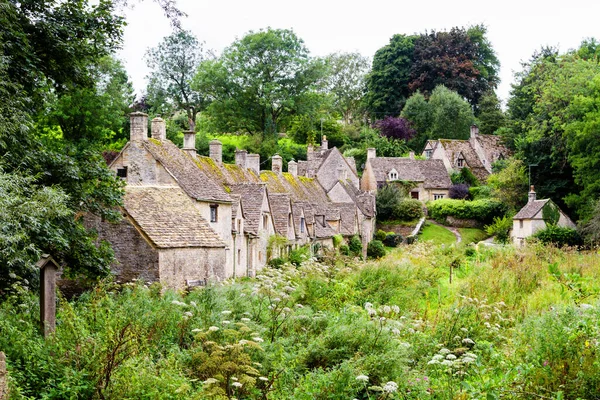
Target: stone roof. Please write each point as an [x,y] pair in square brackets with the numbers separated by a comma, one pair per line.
[352,163]
[456,149]
[365,201]
[280,209]
[432,173]
[252,196]
[186,172]
[323,231]
[531,209]
[298,187]
[347,218]
[168,217]
[493,147]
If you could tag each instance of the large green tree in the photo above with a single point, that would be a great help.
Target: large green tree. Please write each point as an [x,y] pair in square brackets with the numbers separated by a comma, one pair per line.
[174,63]
[261,81]
[346,82]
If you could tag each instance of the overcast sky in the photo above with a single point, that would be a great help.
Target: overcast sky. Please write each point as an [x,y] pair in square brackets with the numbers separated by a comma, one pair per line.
[516,28]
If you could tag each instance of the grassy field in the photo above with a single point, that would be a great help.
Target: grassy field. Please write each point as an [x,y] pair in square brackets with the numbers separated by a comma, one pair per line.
[437,234]
[472,235]
[513,324]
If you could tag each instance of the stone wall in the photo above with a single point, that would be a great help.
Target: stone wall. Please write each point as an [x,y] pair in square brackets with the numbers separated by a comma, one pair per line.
[463,223]
[3,378]
[181,264]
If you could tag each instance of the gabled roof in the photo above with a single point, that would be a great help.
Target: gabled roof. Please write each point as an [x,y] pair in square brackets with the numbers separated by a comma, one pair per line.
[299,188]
[252,197]
[531,209]
[347,218]
[432,173]
[365,201]
[492,146]
[185,171]
[462,149]
[168,217]
[280,207]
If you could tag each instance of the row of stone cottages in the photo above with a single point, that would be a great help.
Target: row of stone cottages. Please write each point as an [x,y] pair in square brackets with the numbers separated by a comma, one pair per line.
[189,218]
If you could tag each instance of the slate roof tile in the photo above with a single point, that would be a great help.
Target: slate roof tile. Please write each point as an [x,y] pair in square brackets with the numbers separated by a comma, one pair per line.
[531,209]
[432,173]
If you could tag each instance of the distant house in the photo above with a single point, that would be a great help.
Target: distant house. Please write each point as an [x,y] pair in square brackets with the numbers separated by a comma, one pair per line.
[533,217]
[430,177]
[478,153]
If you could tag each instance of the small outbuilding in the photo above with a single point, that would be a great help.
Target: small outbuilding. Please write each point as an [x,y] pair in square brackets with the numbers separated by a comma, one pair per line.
[535,216]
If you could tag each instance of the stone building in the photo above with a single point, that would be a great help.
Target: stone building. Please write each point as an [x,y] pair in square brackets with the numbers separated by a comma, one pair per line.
[189,217]
[478,153]
[429,177]
[531,218]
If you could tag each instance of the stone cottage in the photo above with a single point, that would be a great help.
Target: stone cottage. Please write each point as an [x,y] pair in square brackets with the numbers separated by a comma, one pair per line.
[429,177]
[478,153]
[189,217]
[533,217]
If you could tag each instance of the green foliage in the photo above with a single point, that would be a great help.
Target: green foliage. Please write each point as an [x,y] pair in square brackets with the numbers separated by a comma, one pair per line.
[464,175]
[346,80]
[380,235]
[392,240]
[490,114]
[480,192]
[436,234]
[337,240]
[483,210]
[590,230]
[558,236]
[500,228]
[510,184]
[345,250]
[472,235]
[387,200]
[550,213]
[408,210]
[355,246]
[375,249]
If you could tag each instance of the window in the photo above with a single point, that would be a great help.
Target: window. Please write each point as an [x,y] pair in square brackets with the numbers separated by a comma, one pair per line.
[460,162]
[414,195]
[265,221]
[521,223]
[213,213]
[122,172]
[239,256]
[302,225]
[393,175]
[290,219]
[437,196]
[428,154]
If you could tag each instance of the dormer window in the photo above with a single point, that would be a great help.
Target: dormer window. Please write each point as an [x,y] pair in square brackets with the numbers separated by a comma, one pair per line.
[428,153]
[302,225]
[122,172]
[393,175]
[265,221]
[460,162]
[213,212]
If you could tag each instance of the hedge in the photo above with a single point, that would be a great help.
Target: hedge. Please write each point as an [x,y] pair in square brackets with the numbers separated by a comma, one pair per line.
[483,210]
[558,236]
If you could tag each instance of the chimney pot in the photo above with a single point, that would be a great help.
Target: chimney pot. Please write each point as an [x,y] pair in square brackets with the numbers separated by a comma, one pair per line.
[215,151]
[411,155]
[240,158]
[159,129]
[474,131]
[253,162]
[310,152]
[293,168]
[371,153]
[324,143]
[276,164]
[532,194]
[189,142]
[139,126]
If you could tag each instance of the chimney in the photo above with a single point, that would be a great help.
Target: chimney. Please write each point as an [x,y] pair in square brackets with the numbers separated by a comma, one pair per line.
[310,152]
[474,131]
[532,195]
[411,155]
[276,163]
[139,126]
[159,129]
[324,143]
[293,168]
[371,153]
[189,142]
[240,158]
[253,162]
[215,151]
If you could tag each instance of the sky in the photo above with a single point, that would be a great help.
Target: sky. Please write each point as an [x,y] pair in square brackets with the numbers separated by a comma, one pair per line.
[516,28]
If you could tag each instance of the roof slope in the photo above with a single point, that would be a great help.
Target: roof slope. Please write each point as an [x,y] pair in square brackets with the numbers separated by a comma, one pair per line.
[169,217]
[252,197]
[182,166]
[456,148]
[432,173]
[280,207]
[531,209]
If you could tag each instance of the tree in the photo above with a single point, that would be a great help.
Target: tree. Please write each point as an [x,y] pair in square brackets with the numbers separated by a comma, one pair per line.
[261,81]
[387,83]
[395,128]
[490,114]
[174,63]
[510,184]
[346,82]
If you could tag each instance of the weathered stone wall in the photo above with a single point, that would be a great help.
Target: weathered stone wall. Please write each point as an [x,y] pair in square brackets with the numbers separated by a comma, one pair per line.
[179,265]
[135,257]
[338,194]
[142,168]
[368,181]
[463,223]
[3,378]
[222,227]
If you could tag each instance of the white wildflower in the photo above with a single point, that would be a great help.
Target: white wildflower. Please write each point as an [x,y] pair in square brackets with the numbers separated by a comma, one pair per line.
[396,331]
[450,357]
[196,330]
[362,378]
[396,309]
[368,305]
[210,381]
[257,339]
[387,309]
[444,351]
[276,300]
[225,322]
[193,304]
[264,379]
[225,312]
[390,387]
[243,342]
[12,275]
[213,329]
[447,363]
[468,341]
[286,309]
[188,314]
[299,306]
[245,319]
[438,357]
[237,384]
[371,311]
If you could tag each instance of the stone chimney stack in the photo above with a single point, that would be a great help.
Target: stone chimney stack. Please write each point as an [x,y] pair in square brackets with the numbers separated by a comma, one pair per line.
[159,129]
[474,131]
[276,164]
[324,143]
[139,126]
[293,168]
[189,142]
[411,155]
[215,151]
[371,153]
[532,195]
[253,162]
[240,158]
[310,152]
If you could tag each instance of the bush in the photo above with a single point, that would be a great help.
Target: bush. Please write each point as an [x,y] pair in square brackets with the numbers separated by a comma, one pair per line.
[355,246]
[337,240]
[387,200]
[500,228]
[464,176]
[484,210]
[299,255]
[408,210]
[380,235]
[558,236]
[276,262]
[459,191]
[375,249]
[345,250]
[392,240]
[480,192]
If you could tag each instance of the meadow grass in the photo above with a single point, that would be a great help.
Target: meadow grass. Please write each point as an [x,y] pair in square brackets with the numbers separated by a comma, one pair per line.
[472,235]
[437,234]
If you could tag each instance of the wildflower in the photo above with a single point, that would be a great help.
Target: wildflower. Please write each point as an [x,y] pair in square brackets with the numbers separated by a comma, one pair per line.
[286,309]
[390,387]
[237,384]
[196,330]
[188,314]
[468,341]
[226,312]
[447,363]
[276,300]
[371,312]
[178,303]
[450,357]
[12,275]
[243,342]
[225,322]
[245,319]
[210,381]
[362,378]
[444,351]
[396,331]
[213,329]
[438,357]
[387,309]
[396,309]
[382,319]
[193,304]
[264,379]
[432,362]
[368,305]
[257,339]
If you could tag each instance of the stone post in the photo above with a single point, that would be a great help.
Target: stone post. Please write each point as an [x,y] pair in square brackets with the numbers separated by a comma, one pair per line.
[139,126]
[411,155]
[48,268]
[159,129]
[371,153]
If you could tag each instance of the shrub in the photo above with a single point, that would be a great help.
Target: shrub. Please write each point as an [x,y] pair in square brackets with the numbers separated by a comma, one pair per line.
[387,199]
[276,262]
[345,250]
[559,236]
[408,210]
[375,249]
[480,192]
[297,256]
[337,240]
[464,176]
[483,210]
[355,246]
[392,240]
[459,191]
[500,228]
[380,235]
